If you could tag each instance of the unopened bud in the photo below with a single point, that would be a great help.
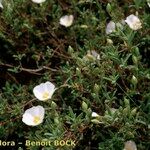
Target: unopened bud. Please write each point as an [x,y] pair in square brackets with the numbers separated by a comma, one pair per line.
[53,105]
[134,59]
[70,50]
[84,106]
[127,103]
[94,114]
[134,80]
[136,51]
[136,13]
[96,88]
[133,112]
[90,57]
[84,26]
[96,121]
[108,8]
[109,41]
[56,120]
[78,72]
[126,110]
[89,111]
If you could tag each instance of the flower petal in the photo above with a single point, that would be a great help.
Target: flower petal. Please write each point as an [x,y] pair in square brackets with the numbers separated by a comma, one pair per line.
[133,22]
[111,26]
[130,145]
[44,91]
[39,90]
[66,20]
[1,6]
[33,113]
[49,86]
[27,119]
[38,1]
[94,114]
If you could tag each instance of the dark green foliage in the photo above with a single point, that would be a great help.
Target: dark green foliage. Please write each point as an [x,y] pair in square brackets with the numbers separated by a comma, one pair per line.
[35,48]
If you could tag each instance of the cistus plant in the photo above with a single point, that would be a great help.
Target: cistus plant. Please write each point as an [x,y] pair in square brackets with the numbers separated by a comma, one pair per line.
[74,75]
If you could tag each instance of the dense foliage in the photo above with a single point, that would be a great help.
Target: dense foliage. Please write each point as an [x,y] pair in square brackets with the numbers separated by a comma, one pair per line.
[93,72]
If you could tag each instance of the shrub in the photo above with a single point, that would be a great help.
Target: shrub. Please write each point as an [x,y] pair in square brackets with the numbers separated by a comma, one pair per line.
[95,66]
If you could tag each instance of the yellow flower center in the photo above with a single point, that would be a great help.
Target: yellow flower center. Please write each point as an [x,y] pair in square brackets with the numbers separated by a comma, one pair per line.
[45,95]
[137,25]
[36,119]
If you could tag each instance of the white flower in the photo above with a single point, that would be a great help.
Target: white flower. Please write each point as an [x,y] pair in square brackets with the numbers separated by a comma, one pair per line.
[111,27]
[91,56]
[38,1]
[44,91]
[66,20]
[148,3]
[130,145]
[1,6]
[95,54]
[33,116]
[95,118]
[94,114]
[133,22]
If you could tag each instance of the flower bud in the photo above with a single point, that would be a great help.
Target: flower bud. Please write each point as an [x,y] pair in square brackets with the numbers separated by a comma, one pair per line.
[56,120]
[94,114]
[109,41]
[133,112]
[134,80]
[70,50]
[96,88]
[148,3]
[84,106]
[89,111]
[96,121]
[90,57]
[53,105]
[126,111]
[78,72]
[108,8]
[84,26]
[127,103]
[137,52]
[134,59]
